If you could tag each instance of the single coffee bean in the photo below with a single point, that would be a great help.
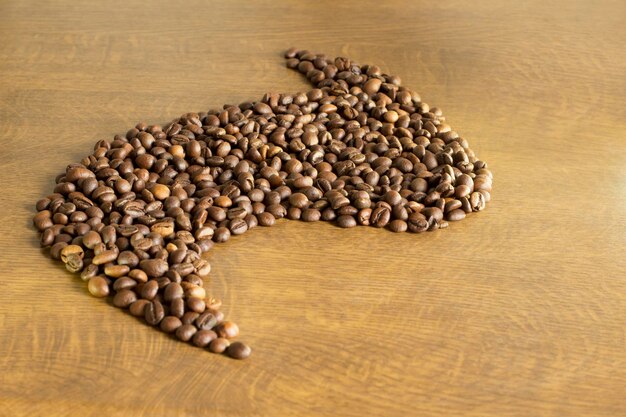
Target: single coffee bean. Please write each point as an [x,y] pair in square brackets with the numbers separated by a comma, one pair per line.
[206,321]
[154,313]
[238,350]
[170,324]
[124,298]
[177,308]
[455,215]
[346,221]
[71,250]
[202,338]
[227,329]
[173,291]
[397,226]
[265,219]
[98,286]
[138,308]
[186,332]
[311,215]
[74,263]
[196,304]
[219,345]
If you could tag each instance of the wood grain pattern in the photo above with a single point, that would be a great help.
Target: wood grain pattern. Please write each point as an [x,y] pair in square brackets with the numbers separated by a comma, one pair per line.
[517,311]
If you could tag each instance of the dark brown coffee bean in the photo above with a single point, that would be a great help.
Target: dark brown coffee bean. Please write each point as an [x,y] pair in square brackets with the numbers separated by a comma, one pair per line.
[265,219]
[202,338]
[169,324]
[455,215]
[154,268]
[397,226]
[311,215]
[238,350]
[137,308]
[227,329]
[206,321]
[380,217]
[124,298]
[98,286]
[186,332]
[346,221]
[219,345]
[173,291]
[238,226]
[149,290]
[154,313]
[177,308]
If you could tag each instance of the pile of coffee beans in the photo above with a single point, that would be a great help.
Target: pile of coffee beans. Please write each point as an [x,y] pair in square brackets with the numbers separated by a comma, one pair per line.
[134,217]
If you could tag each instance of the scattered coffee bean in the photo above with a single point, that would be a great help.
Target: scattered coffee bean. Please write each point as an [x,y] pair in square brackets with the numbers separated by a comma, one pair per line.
[135,216]
[238,350]
[219,345]
[98,286]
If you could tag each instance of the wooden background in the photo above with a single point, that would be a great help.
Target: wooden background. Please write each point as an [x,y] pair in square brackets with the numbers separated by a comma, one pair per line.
[517,311]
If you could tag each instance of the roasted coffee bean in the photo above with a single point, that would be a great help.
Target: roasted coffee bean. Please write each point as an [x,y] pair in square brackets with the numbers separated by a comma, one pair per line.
[136,215]
[169,324]
[138,308]
[311,215]
[154,268]
[196,304]
[397,226]
[219,345]
[455,215]
[265,219]
[98,286]
[202,338]
[346,221]
[238,350]
[177,308]
[124,298]
[186,332]
[227,329]
[74,263]
[154,313]
[206,320]
[149,290]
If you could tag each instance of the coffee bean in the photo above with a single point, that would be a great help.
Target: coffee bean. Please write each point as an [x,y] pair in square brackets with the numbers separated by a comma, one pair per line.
[206,321]
[138,308]
[455,215]
[71,251]
[227,329]
[74,263]
[380,217]
[154,313]
[397,226]
[265,219]
[137,214]
[186,332]
[177,308]
[238,350]
[169,324]
[202,338]
[116,271]
[219,345]
[346,221]
[98,286]
[173,291]
[124,298]
[154,268]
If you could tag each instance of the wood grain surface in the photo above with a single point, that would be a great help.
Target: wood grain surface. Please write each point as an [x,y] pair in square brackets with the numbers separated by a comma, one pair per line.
[517,311]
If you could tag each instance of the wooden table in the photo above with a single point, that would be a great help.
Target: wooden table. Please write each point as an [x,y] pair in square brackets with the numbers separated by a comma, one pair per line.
[517,311]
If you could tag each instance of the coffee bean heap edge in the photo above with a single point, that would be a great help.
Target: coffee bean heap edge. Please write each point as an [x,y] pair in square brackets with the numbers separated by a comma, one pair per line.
[135,216]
